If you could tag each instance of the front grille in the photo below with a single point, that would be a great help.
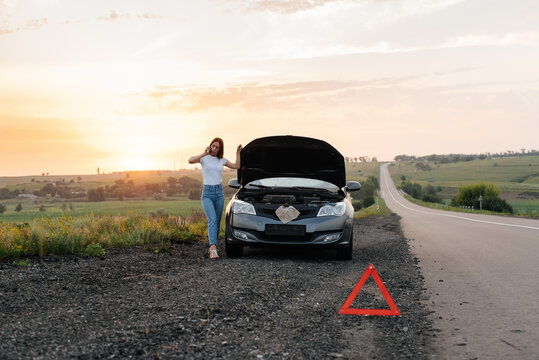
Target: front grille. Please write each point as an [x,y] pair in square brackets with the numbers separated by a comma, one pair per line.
[287,238]
[284,230]
[269,212]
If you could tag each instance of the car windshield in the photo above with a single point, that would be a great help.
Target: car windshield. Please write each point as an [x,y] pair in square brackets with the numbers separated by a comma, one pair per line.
[293,182]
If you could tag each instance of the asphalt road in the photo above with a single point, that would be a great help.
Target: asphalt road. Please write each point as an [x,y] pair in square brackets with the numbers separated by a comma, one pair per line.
[481,273]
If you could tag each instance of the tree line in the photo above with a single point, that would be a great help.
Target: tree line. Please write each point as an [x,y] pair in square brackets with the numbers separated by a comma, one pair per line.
[352,159]
[121,189]
[453,158]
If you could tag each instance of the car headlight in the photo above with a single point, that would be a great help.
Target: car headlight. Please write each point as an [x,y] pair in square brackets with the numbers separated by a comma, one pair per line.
[242,207]
[337,209]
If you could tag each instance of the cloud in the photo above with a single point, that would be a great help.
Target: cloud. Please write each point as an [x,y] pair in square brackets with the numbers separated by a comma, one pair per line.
[114,15]
[286,7]
[255,96]
[36,24]
[149,16]
[7,28]
[33,24]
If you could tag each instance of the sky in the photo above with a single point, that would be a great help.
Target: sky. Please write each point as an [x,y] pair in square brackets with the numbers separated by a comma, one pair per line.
[133,85]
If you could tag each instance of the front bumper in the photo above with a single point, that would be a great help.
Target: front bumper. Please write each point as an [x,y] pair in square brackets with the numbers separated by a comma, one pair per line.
[250,230]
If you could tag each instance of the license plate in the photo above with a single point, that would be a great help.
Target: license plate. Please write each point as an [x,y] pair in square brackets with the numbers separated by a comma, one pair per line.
[279,229]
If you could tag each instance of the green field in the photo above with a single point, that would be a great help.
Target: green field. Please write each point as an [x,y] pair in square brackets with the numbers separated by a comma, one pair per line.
[525,207]
[517,178]
[362,170]
[511,173]
[31,211]
[53,207]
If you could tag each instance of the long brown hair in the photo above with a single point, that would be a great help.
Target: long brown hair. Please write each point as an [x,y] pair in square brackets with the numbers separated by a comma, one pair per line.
[221,147]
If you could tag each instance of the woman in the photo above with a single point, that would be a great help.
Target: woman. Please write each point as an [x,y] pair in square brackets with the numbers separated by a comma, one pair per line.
[213,200]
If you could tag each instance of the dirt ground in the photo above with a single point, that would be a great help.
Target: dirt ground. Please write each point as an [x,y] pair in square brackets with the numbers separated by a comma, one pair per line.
[269,304]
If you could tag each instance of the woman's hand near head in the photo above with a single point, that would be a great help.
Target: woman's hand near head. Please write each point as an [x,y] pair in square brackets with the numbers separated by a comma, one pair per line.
[195,159]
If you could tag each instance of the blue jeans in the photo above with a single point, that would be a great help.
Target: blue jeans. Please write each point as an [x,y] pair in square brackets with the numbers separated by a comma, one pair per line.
[213,201]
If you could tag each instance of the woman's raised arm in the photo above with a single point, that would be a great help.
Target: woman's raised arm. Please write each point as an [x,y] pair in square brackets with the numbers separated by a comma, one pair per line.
[196,158]
[237,164]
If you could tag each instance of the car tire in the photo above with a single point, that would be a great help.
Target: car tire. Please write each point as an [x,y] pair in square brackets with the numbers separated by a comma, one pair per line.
[233,250]
[345,253]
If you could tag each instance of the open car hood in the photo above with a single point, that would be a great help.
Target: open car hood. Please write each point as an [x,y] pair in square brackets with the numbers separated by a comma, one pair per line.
[291,156]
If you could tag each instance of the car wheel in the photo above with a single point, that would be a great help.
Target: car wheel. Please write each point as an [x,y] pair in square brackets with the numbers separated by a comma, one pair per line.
[232,250]
[345,253]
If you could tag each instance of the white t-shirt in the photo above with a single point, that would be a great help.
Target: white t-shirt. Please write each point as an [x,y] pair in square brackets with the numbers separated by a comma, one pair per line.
[212,169]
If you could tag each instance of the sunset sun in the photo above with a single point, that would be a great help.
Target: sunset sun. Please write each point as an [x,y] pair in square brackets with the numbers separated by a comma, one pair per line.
[139,163]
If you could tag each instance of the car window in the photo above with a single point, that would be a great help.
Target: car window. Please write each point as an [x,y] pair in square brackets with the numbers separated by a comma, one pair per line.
[294,182]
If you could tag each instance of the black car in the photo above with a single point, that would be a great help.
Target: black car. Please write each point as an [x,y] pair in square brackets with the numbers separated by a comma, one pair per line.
[292,191]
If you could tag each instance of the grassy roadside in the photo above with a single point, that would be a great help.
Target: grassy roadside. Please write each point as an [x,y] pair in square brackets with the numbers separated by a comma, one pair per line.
[91,235]
[437,206]
[379,208]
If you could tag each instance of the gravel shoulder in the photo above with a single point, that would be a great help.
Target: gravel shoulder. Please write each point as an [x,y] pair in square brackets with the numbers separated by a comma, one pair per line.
[269,304]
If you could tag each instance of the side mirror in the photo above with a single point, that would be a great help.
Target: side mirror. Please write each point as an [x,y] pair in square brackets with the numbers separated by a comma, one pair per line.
[352,186]
[233,183]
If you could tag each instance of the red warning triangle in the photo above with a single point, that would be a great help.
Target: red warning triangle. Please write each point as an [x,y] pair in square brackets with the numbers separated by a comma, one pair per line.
[393,311]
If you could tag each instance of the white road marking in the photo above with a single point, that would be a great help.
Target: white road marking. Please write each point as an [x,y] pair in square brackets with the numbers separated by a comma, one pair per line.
[440,213]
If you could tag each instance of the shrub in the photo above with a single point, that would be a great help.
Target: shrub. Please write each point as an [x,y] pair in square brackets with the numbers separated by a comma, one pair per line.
[2,208]
[430,190]
[412,189]
[468,195]
[94,250]
[96,194]
[23,263]
[357,205]
[368,189]
[422,166]
[160,213]
[368,201]
[431,198]
[19,207]
[496,204]
[195,195]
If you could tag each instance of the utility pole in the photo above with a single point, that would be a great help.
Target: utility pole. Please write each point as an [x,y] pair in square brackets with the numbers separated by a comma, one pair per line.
[480,202]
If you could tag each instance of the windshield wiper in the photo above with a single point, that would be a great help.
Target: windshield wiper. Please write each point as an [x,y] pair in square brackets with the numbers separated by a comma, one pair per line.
[310,188]
[258,186]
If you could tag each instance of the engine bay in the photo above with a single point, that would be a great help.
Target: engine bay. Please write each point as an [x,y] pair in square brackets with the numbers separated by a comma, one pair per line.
[289,197]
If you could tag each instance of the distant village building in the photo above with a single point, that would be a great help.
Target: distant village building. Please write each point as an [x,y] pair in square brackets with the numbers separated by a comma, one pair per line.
[28,196]
[79,192]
